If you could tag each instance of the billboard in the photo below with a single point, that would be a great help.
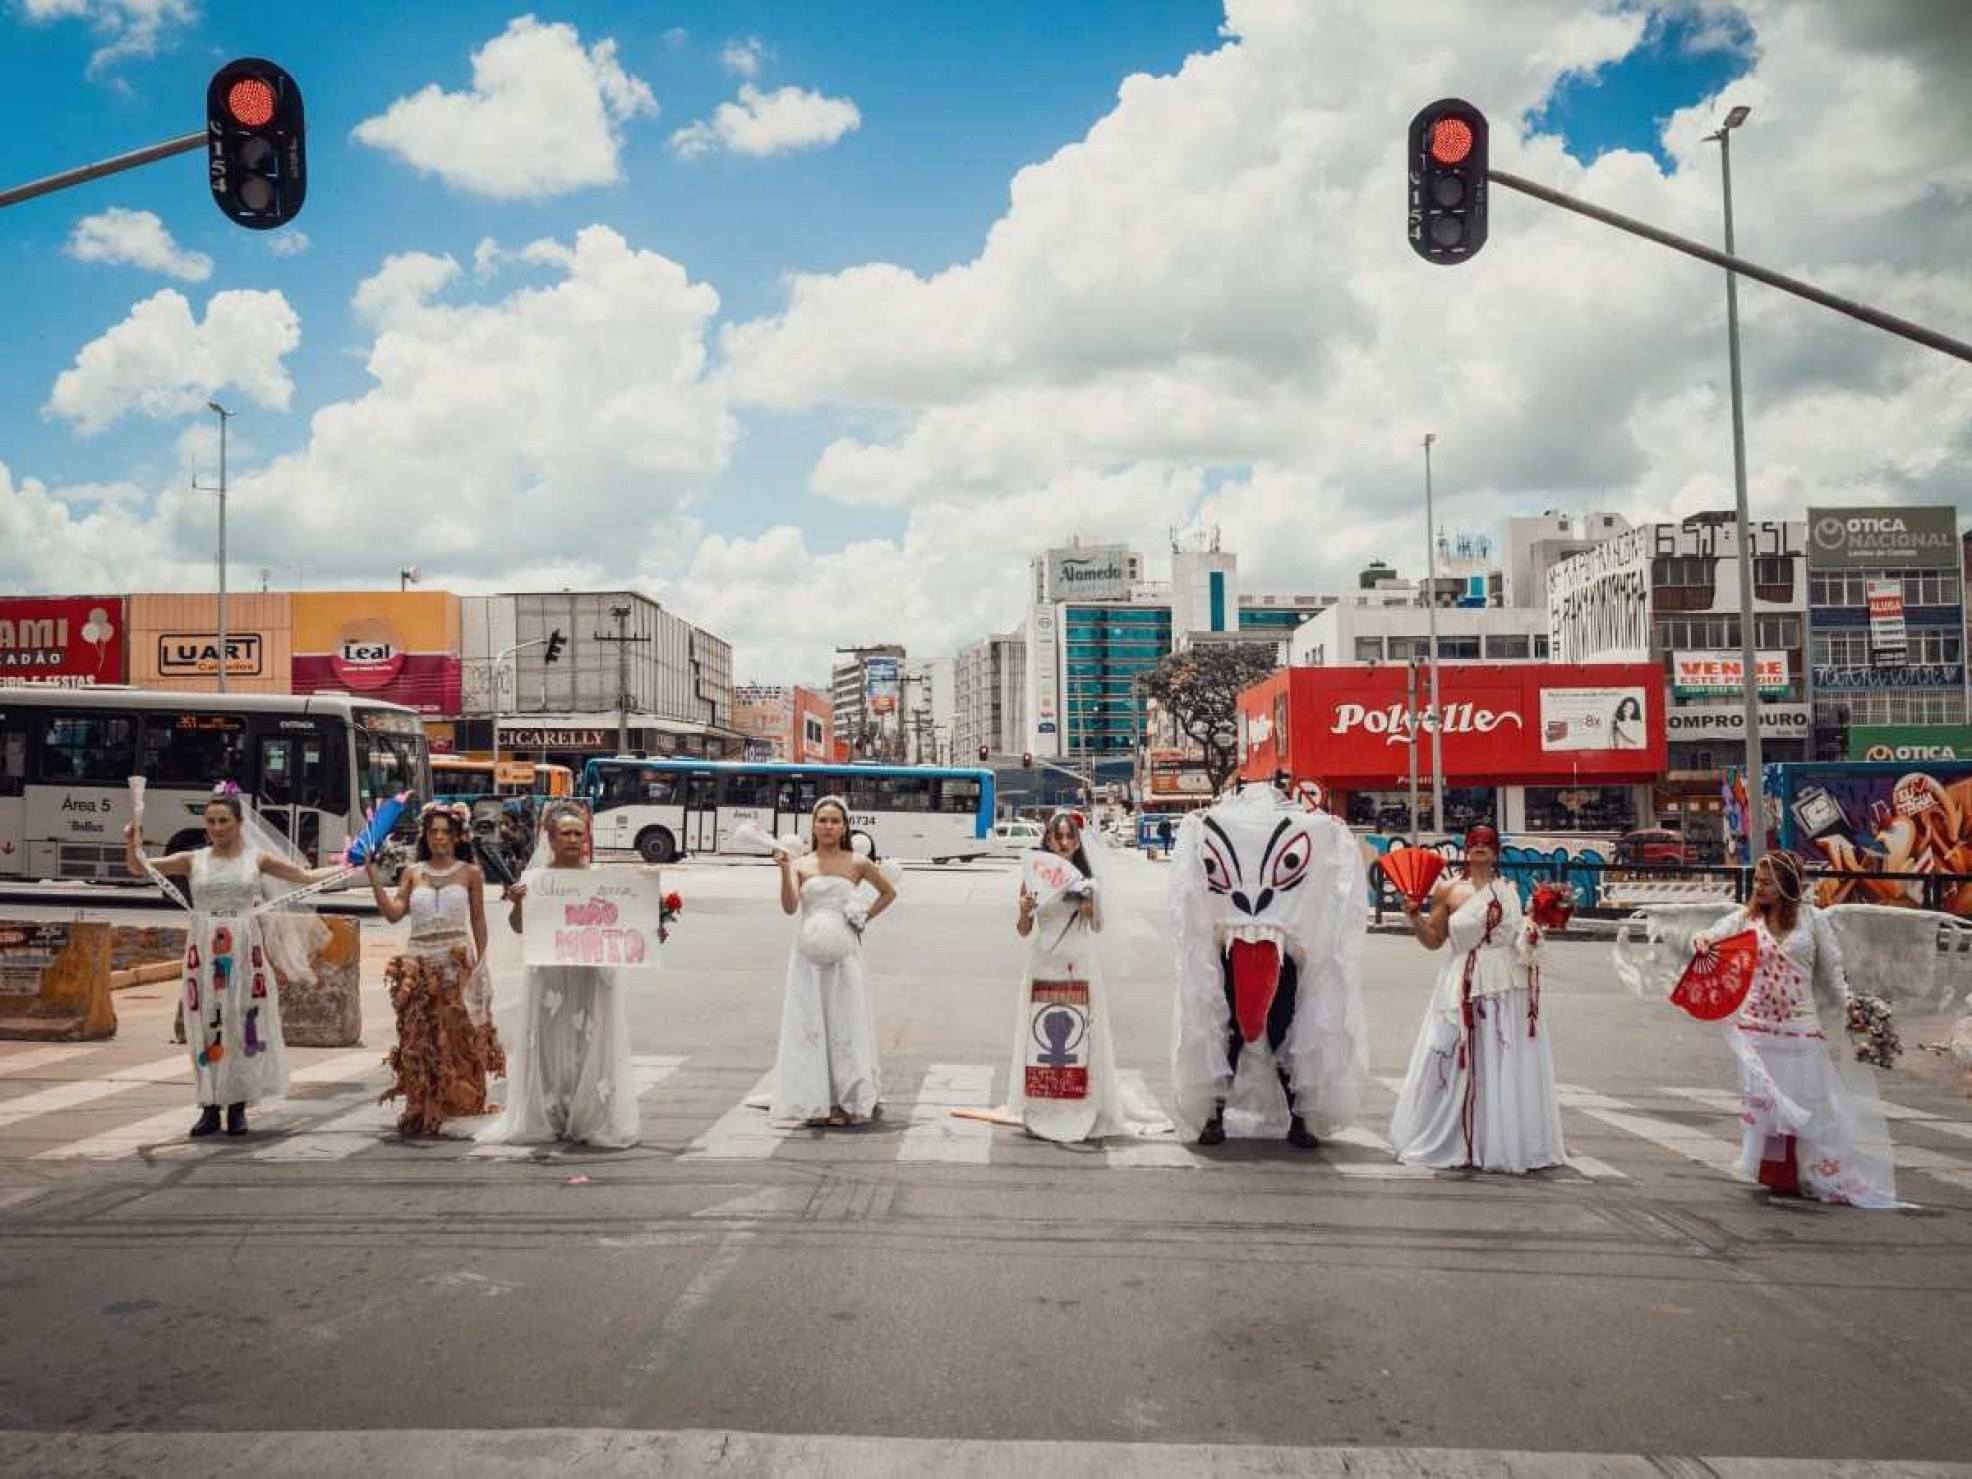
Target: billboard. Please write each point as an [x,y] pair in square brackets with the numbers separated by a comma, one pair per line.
[63,641]
[1883,538]
[1723,674]
[401,647]
[880,683]
[174,642]
[1909,742]
[1089,572]
[1577,719]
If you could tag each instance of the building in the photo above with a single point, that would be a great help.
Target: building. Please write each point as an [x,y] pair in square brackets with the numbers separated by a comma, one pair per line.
[1536,543]
[1363,629]
[630,675]
[64,641]
[1668,594]
[989,697]
[866,696]
[783,722]
[929,704]
[1886,621]
[1547,749]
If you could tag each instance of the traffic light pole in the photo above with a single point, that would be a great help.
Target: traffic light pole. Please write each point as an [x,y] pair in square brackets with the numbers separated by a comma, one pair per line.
[1903,328]
[116,166]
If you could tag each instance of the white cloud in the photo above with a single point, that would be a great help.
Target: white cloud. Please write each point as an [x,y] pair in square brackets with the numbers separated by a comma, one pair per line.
[777,122]
[129,28]
[289,241]
[161,361]
[136,239]
[744,57]
[93,537]
[543,117]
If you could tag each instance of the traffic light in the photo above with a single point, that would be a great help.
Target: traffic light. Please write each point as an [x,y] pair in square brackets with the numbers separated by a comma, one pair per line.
[1447,170]
[985,754]
[556,641]
[1026,759]
[258,161]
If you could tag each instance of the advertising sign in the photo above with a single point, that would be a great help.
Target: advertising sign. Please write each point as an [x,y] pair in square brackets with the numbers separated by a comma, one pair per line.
[26,950]
[1592,719]
[1099,572]
[1888,641]
[1728,721]
[1883,538]
[1905,743]
[399,646]
[880,683]
[549,737]
[1723,674]
[64,641]
[592,916]
[196,654]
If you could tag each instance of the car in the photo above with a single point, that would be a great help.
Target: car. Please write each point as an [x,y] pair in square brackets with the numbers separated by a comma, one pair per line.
[1012,838]
[1648,846]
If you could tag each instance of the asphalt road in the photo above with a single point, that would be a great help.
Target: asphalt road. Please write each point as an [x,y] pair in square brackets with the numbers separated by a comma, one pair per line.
[826,1301]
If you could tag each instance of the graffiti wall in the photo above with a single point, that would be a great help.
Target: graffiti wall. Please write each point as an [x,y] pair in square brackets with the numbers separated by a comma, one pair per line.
[1529,861]
[1882,818]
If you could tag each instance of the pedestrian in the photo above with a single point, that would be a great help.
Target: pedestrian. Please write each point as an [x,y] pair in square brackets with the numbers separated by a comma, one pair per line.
[447,1045]
[1062,1085]
[1480,1090]
[1808,1128]
[571,1077]
[232,1003]
[1164,837]
[825,1069]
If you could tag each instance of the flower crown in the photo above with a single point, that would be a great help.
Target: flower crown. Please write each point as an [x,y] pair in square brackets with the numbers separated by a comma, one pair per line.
[458,811]
[226,788]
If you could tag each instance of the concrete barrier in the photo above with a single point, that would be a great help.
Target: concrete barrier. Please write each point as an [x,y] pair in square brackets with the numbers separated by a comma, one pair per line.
[55,981]
[328,1011]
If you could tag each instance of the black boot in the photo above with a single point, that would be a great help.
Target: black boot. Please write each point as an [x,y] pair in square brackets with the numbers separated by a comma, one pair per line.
[208,1121]
[236,1119]
[1214,1132]
[1299,1134]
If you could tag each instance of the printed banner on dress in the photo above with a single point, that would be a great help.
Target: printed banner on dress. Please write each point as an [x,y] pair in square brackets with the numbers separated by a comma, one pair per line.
[592,916]
[1592,719]
[1058,1040]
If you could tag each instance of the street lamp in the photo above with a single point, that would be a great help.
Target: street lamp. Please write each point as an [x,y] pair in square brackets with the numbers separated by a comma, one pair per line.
[1431,617]
[224,416]
[1756,807]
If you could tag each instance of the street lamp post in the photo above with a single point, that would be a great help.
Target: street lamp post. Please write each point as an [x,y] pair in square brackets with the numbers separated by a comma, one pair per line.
[1435,719]
[224,416]
[1756,809]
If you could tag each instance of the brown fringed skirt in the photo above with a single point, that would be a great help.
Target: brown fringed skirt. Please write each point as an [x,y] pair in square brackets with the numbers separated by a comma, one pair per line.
[441,1060]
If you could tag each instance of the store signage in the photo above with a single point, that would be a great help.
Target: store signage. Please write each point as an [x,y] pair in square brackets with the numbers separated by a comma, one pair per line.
[368,662]
[1888,641]
[1907,743]
[1912,675]
[1089,573]
[1728,721]
[69,642]
[196,654]
[1883,538]
[1394,721]
[1716,674]
[549,737]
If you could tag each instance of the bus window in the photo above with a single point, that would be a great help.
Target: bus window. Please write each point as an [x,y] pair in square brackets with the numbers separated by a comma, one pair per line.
[554,780]
[13,759]
[958,797]
[798,795]
[701,791]
[299,770]
[385,765]
[750,790]
[904,793]
[194,749]
[100,747]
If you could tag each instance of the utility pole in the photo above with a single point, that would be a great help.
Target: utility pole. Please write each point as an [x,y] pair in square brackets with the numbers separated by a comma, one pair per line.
[623,639]
[1437,715]
[225,657]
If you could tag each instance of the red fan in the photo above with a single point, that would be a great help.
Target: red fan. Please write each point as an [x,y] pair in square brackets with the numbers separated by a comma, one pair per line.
[1713,985]
[1412,871]
[1554,905]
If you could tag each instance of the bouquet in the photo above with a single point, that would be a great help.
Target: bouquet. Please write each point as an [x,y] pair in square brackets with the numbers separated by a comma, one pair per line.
[669,908]
[1871,1020]
[1553,905]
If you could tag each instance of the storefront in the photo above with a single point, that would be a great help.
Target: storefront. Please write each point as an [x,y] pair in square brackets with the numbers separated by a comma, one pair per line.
[174,643]
[401,647]
[64,641]
[1547,748]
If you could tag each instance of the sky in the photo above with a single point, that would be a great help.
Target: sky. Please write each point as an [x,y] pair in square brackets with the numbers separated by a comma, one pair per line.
[815,321]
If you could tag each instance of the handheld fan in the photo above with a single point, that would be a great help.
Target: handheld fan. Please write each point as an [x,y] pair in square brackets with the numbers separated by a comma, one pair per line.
[755,835]
[1714,984]
[366,842]
[1412,871]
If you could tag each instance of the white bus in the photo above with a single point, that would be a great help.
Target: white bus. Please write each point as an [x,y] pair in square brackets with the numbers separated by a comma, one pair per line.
[313,767]
[665,808]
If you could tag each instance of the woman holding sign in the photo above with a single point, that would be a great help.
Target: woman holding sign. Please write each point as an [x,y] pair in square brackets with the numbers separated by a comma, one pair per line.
[825,1071]
[1062,1085]
[571,1077]
[232,1007]
[446,1043]
[1811,1127]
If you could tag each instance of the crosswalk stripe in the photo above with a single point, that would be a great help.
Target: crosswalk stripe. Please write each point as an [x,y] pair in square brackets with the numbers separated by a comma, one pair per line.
[18,1065]
[646,1073]
[1694,1145]
[88,1090]
[934,1134]
[742,1133]
[1167,1150]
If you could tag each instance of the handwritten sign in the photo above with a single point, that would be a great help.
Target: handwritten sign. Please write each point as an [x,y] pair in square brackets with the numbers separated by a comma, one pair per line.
[592,916]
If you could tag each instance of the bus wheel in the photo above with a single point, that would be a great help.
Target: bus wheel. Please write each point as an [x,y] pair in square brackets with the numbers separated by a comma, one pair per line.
[656,845]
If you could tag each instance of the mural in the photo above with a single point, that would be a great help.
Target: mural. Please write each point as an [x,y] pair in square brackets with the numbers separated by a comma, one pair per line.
[1530,861]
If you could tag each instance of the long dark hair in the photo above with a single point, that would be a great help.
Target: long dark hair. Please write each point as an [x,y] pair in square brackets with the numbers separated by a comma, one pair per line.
[1062,820]
[461,851]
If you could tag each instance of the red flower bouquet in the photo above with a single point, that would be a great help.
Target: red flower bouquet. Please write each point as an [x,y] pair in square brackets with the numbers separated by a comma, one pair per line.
[1553,905]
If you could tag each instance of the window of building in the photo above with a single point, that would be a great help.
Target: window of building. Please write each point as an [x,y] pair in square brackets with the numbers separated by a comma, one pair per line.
[1457,649]
[1506,648]
[1935,645]
[1580,809]
[99,748]
[1369,649]
[1403,649]
[1841,649]
[1540,647]
[1682,570]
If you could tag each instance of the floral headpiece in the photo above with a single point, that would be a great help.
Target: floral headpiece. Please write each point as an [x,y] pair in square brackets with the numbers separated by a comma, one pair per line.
[226,788]
[458,811]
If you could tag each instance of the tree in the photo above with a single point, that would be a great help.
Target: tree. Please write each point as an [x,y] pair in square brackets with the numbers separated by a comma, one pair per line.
[1200,689]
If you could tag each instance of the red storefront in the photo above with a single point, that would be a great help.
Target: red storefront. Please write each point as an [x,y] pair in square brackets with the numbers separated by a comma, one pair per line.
[66,641]
[1531,747]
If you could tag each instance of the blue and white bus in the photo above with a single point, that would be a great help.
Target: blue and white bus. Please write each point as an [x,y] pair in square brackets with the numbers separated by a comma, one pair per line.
[666,807]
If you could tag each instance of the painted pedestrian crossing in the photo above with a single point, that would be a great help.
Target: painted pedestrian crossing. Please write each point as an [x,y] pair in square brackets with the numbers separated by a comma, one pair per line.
[706,1112]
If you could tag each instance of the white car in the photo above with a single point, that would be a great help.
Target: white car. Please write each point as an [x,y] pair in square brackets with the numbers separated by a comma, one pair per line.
[1011,839]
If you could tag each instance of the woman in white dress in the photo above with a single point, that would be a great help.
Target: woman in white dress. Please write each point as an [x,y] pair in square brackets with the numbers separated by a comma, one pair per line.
[1480,1091]
[825,1071]
[1805,1130]
[571,1077]
[447,1046]
[1068,1017]
[232,1004]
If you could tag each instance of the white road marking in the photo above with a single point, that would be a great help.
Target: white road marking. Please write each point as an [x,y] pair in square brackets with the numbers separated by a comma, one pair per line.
[88,1090]
[742,1133]
[647,1071]
[934,1135]
[19,1065]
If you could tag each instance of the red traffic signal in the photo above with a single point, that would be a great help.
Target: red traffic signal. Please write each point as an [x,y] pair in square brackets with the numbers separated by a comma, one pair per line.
[1026,759]
[985,753]
[1447,182]
[256,143]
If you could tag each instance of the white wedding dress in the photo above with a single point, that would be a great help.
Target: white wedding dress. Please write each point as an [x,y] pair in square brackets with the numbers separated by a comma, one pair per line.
[827,1055]
[1062,948]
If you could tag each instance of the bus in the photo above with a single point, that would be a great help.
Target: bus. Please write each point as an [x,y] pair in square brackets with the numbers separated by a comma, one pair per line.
[313,766]
[461,778]
[665,808]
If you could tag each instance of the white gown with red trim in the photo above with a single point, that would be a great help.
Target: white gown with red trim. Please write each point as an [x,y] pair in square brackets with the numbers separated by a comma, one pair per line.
[1480,1091]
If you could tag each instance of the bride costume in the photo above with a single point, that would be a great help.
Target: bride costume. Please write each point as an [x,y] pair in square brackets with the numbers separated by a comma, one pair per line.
[1480,1090]
[1062,1085]
[827,1059]
[571,1075]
